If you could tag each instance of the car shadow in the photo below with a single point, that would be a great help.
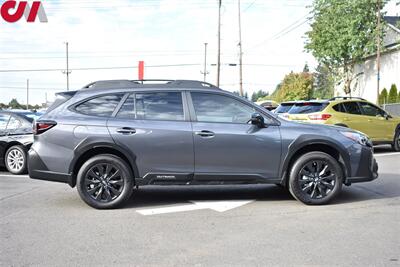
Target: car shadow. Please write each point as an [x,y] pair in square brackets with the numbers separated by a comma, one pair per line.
[158,196]
[383,149]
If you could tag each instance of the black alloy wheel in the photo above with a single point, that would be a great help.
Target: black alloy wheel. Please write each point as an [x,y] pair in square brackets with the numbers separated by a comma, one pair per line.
[315,178]
[105,182]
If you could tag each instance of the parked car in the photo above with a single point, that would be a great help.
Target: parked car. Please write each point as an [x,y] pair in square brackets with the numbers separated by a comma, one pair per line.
[16,137]
[283,109]
[109,138]
[355,113]
[268,104]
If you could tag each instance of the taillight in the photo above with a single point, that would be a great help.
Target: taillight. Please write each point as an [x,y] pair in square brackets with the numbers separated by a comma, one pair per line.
[40,127]
[319,117]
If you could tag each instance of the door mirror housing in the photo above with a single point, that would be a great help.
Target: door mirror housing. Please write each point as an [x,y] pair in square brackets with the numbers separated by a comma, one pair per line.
[258,120]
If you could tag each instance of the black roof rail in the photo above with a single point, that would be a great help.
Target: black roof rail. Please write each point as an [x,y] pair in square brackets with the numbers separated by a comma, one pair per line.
[153,83]
[346,97]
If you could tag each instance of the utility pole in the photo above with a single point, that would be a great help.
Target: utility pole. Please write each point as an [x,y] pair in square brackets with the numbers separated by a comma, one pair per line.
[219,43]
[378,53]
[240,54]
[67,72]
[27,94]
[46,98]
[205,62]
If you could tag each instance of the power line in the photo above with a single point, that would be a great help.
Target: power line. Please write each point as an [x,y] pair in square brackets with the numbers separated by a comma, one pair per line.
[97,68]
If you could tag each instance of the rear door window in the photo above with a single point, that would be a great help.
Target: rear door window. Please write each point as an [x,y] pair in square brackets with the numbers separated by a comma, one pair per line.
[352,108]
[13,124]
[4,118]
[165,106]
[339,108]
[102,106]
[305,108]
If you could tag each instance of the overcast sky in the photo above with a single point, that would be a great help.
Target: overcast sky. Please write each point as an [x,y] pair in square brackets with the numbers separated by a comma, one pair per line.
[169,35]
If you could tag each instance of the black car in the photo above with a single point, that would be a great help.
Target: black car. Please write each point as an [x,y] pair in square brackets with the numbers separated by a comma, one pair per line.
[16,137]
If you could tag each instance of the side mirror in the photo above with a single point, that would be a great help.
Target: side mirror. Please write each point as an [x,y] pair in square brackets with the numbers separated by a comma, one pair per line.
[257,119]
[386,116]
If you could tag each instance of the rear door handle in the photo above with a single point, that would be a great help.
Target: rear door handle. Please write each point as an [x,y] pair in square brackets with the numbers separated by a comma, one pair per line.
[126,130]
[208,134]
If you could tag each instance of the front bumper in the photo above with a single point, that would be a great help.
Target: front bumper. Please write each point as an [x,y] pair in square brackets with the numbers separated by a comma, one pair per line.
[38,170]
[367,168]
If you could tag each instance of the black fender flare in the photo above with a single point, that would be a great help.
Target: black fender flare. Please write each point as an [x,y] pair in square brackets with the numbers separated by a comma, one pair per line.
[306,140]
[94,143]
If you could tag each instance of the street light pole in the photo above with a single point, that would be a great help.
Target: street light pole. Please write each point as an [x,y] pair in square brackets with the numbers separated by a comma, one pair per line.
[67,72]
[378,53]
[240,54]
[27,94]
[205,61]
[219,43]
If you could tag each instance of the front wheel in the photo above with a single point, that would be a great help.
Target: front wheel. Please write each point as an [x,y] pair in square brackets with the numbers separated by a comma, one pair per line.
[105,182]
[396,141]
[315,178]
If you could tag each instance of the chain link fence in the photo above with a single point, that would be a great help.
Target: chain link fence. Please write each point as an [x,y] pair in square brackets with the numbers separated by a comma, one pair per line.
[393,109]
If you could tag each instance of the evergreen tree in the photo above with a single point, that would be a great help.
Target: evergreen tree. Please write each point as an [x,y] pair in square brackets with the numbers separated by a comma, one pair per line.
[392,94]
[383,97]
[324,82]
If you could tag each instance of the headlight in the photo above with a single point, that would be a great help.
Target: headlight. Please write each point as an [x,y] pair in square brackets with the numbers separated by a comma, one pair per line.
[358,137]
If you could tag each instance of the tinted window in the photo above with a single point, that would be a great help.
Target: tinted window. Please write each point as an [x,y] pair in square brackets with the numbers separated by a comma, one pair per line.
[102,106]
[159,106]
[218,108]
[283,108]
[4,121]
[13,124]
[370,110]
[304,108]
[339,108]
[352,108]
[128,108]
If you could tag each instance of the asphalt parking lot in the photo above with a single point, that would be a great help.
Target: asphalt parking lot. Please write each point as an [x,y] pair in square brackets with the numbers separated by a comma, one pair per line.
[46,224]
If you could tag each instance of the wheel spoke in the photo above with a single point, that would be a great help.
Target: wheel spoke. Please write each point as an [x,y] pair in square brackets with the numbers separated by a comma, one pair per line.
[94,189]
[327,185]
[114,191]
[108,194]
[114,175]
[313,193]
[321,191]
[98,197]
[116,182]
[329,177]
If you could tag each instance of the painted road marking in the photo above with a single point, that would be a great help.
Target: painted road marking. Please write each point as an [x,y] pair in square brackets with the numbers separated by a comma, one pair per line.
[387,154]
[220,206]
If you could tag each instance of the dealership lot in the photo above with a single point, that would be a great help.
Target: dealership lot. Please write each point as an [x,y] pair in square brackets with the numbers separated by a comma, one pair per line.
[43,223]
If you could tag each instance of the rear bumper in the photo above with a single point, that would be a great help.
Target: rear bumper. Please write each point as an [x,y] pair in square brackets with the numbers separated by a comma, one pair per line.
[38,170]
[368,168]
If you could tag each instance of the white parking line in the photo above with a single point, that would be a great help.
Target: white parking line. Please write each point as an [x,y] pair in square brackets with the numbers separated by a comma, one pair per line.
[14,176]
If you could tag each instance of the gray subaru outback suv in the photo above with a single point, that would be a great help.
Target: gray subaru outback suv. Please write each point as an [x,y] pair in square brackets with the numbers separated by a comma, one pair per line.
[113,136]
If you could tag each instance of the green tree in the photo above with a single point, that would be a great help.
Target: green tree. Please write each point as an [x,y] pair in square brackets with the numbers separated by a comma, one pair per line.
[392,94]
[306,68]
[295,86]
[14,104]
[324,82]
[259,94]
[342,33]
[383,97]
[398,98]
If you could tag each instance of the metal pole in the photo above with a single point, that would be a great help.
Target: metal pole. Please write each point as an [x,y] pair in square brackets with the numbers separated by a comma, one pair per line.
[27,94]
[240,54]
[219,43]
[378,53]
[205,61]
[66,44]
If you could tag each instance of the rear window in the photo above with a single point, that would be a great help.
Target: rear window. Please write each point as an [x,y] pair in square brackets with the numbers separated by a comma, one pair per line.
[102,106]
[283,108]
[304,108]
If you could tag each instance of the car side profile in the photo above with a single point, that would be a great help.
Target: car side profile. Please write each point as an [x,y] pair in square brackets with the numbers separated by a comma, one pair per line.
[16,137]
[112,136]
[352,112]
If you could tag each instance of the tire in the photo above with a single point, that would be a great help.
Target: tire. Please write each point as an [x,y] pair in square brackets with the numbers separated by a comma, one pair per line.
[16,160]
[105,182]
[396,141]
[320,186]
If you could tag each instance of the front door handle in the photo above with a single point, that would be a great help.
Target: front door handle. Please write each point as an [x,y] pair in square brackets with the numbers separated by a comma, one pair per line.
[208,134]
[126,130]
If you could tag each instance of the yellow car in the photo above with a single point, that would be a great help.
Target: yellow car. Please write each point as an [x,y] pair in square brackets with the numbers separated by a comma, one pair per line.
[355,113]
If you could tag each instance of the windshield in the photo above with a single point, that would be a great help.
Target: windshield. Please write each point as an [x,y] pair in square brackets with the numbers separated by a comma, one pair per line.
[304,108]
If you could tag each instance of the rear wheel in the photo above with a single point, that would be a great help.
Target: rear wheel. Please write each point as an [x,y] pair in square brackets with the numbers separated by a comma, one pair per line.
[105,182]
[315,178]
[15,160]
[396,141]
